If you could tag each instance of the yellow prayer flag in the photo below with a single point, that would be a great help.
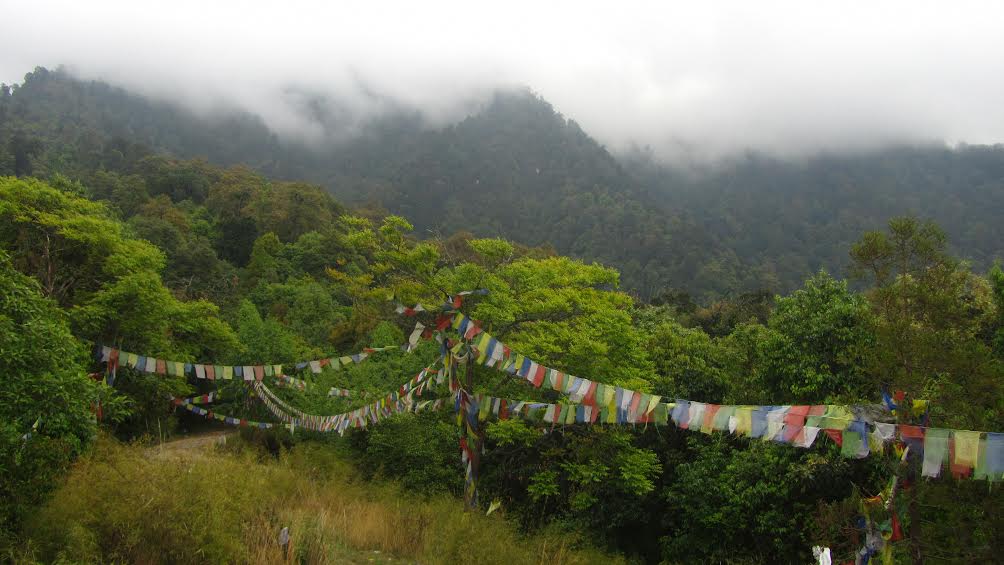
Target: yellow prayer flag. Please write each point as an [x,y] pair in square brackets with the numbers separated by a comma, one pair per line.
[967,445]
[608,395]
[744,420]
[652,403]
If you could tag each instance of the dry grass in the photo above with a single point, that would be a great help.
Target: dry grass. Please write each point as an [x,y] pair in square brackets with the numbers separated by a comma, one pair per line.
[120,505]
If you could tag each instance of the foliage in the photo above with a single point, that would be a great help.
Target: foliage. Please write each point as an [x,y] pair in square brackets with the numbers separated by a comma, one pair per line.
[931,313]
[723,502]
[46,399]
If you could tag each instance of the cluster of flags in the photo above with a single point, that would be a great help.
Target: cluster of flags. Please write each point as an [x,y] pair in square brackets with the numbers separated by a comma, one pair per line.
[337,363]
[853,428]
[452,303]
[400,400]
[116,358]
[292,382]
[190,404]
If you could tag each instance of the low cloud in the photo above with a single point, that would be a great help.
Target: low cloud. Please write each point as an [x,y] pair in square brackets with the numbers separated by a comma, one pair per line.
[690,82]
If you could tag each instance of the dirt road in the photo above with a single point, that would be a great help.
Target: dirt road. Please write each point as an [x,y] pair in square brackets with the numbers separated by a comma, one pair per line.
[190,446]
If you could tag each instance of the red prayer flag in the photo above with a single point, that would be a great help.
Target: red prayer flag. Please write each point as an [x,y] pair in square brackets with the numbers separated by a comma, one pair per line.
[907,432]
[836,435]
[538,377]
[709,413]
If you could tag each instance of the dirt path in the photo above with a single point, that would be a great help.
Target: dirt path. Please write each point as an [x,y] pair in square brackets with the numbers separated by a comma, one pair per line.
[190,446]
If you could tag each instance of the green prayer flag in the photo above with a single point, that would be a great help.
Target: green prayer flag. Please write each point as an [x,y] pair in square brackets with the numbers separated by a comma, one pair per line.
[835,418]
[569,413]
[852,443]
[661,414]
[982,470]
[721,422]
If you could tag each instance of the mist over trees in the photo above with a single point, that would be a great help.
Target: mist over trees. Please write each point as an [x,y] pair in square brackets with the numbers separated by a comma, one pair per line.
[516,168]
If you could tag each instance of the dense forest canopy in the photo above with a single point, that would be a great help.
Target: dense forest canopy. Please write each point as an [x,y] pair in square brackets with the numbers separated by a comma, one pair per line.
[518,169]
[111,234]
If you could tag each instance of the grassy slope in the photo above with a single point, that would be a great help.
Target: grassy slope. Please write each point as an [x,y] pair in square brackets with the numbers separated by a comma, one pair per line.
[126,504]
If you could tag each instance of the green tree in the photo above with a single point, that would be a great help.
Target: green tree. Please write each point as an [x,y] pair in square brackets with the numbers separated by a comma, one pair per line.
[110,286]
[46,398]
[930,310]
[829,330]
[690,363]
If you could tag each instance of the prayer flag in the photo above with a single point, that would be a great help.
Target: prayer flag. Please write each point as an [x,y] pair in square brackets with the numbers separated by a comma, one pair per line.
[722,417]
[935,451]
[708,423]
[744,421]
[855,443]
[809,434]
[967,446]
[681,413]
[883,434]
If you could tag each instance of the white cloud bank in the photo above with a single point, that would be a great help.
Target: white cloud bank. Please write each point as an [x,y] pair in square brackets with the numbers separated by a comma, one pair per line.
[704,79]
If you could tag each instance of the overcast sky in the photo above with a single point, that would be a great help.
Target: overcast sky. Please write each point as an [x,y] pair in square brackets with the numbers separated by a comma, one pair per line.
[708,78]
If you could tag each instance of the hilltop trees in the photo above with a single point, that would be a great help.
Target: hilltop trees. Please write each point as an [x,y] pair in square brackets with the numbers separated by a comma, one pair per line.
[46,399]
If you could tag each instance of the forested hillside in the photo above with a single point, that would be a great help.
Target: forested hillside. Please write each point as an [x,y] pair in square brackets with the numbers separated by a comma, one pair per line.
[518,169]
[789,218]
